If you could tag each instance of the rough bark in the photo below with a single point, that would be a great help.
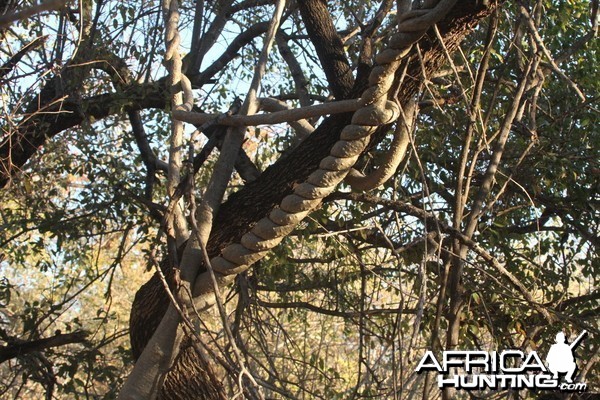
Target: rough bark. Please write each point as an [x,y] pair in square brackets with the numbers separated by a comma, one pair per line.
[245,207]
[328,45]
[192,377]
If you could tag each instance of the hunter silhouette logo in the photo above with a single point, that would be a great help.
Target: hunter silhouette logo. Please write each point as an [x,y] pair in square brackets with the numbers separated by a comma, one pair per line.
[507,369]
[560,357]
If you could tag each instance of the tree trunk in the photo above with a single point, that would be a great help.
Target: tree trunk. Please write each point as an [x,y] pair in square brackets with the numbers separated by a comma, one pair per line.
[192,377]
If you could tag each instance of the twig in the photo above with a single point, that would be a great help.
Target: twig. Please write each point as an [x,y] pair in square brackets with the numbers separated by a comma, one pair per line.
[540,43]
[444,227]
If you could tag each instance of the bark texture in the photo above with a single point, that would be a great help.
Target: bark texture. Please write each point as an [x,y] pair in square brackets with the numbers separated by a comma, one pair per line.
[192,377]
[328,45]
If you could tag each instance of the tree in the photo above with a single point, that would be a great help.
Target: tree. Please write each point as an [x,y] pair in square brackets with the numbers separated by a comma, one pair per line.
[424,176]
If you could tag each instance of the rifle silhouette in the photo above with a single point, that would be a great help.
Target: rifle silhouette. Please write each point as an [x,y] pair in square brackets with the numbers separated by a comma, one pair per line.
[576,342]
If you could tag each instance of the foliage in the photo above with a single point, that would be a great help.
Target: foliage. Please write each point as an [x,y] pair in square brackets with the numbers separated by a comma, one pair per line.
[348,303]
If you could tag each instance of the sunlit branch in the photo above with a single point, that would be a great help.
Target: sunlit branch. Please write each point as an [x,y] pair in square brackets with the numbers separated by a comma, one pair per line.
[296,114]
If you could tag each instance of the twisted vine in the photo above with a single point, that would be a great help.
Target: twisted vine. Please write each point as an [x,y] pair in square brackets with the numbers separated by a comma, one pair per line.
[375,110]
[178,82]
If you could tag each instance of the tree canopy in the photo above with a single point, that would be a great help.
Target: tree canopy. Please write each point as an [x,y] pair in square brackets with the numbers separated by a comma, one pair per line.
[293,199]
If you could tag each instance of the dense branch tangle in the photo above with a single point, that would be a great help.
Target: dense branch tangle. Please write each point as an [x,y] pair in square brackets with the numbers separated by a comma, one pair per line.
[236,255]
[288,190]
[311,169]
[376,111]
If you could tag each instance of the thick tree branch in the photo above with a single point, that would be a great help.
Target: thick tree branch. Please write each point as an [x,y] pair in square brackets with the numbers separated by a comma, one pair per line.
[60,115]
[14,60]
[21,348]
[50,116]
[290,115]
[150,160]
[328,45]
[231,52]
[7,19]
